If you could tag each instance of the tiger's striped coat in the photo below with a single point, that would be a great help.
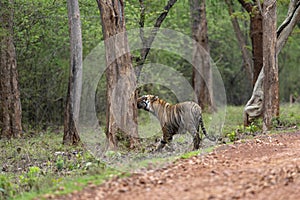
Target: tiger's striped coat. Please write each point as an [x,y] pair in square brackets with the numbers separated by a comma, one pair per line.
[177,118]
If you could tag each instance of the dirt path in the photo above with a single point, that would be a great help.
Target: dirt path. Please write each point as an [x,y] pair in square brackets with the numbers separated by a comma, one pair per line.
[267,167]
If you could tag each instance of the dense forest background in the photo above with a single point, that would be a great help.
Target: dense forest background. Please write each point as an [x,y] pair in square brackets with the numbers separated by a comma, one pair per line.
[42,47]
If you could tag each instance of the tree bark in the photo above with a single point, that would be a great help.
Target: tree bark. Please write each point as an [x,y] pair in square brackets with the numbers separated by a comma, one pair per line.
[271,82]
[121,114]
[254,107]
[71,135]
[248,63]
[202,74]
[256,35]
[10,94]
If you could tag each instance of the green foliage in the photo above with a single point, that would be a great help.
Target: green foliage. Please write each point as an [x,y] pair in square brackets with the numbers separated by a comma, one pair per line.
[7,188]
[289,117]
[252,128]
[60,163]
[289,84]
[42,47]
[30,179]
[196,153]
[39,163]
[232,136]
[240,15]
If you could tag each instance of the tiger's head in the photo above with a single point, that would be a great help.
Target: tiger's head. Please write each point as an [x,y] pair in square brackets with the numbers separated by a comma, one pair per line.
[145,102]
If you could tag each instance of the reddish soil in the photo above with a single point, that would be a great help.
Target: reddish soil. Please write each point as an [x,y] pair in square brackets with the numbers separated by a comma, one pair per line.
[266,167]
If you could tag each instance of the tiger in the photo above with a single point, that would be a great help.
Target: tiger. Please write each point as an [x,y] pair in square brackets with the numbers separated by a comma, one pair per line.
[174,119]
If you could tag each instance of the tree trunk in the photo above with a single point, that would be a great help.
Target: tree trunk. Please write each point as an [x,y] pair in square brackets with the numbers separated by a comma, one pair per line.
[10,94]
[248,64]
[202,74]
[254,107]
[121,114]
[271,82]
[256,34]
[71,135]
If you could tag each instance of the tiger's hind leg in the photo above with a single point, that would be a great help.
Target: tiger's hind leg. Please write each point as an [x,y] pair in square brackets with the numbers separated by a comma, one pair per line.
[196,137]
[196,140]
[167,138]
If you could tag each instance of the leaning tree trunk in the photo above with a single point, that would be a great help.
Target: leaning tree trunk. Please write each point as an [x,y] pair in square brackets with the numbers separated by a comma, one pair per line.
[9,89]
[202,73]
[254,107]
[121,114]
[71,135]
[271,82]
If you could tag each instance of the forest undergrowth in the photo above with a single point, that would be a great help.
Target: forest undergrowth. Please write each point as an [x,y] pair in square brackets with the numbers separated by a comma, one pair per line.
[38,163]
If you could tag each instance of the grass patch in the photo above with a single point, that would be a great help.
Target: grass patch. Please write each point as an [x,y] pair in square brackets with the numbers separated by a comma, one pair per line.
[196,153]
[36,162]
[68,185]
[289,117]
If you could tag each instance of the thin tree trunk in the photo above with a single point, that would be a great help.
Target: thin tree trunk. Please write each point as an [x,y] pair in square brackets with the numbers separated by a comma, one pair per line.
[202,74]
[10,94]
[121,114]
[271,82]
[248,64]
[71,135]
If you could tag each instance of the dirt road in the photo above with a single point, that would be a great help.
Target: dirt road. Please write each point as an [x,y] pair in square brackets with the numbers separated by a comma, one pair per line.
[267,167]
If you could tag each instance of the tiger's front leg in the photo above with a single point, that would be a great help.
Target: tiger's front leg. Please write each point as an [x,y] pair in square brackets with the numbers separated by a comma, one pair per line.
[161,146]
[167,138]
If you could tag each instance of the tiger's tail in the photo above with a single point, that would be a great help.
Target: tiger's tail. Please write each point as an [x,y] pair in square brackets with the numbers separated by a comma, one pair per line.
[211,138]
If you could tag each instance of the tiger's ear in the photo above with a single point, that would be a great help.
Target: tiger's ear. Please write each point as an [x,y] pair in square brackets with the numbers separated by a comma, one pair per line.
[155,98]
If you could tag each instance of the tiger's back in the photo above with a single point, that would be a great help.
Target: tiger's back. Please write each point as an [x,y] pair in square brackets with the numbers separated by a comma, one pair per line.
[185,116]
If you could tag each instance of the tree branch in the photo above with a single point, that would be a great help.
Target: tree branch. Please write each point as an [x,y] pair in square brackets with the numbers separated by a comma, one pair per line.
[147,42]
[142,21]
[246,5]
[259,6]
[287,26]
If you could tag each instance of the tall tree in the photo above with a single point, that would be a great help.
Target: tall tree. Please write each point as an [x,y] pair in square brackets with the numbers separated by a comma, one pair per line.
[11,113]
[256,34]
[254,107]
[271,82]
[71,135]
[202,73]
[121,114]
[241,38]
